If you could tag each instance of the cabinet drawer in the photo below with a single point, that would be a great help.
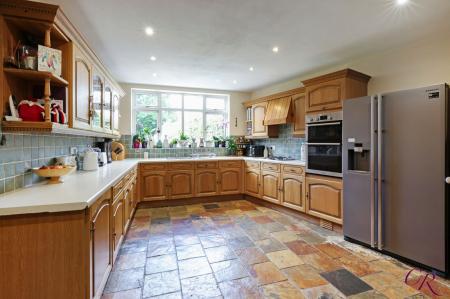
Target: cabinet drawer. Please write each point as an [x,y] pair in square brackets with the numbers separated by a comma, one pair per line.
[117,188]
[229,164]
[293,169]
[180,166]
[271,167]
[252,164]
[152,166]
[206,165]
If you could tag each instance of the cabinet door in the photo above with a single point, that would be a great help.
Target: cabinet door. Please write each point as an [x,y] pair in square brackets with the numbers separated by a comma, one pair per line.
[100,246]
[154,186]
[252,182]
[270,186]
[206,182]
[293,192]
[298,102]
[324,198]
[118,224]
[82,93]
[97,101]
[258,115]
[325,96]
[115,112]
[230,181]
[107,109]
[181,184]
[127,205]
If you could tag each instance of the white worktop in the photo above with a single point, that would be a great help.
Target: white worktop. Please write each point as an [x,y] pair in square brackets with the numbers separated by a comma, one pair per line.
[80,189]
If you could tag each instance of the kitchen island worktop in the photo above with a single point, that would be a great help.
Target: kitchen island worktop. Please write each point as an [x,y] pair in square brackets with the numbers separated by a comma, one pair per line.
[82,188]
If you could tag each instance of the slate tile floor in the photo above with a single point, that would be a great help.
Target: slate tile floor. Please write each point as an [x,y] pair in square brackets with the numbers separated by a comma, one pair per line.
[240,250]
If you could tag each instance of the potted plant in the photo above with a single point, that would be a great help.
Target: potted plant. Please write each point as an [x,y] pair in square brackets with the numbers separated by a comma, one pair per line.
[183,139]
[231,145]
[216,141]
[136,141]
[173,143]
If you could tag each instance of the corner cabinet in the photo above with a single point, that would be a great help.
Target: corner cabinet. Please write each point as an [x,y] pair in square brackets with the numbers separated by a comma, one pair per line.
[326,93]
[324,198]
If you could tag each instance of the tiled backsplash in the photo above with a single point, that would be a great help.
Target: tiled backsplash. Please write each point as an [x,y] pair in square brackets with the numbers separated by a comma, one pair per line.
[168,152]
[285,145]
[21,152]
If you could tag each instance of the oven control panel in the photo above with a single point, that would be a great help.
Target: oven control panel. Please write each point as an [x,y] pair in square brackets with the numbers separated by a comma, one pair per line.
[324,117]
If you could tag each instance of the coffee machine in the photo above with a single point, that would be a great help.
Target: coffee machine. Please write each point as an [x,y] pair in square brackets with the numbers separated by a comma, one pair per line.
[104,145]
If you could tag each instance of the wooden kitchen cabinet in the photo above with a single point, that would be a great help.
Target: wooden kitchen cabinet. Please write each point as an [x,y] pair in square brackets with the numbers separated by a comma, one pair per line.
[259,130]
[82,90]
[206,182]
[154,185]
[230,181]
[270,186]
[107,109]
[324,197]
[293,191]
[100,227]
[252,182]
[181,184]
[327,92]
[298,104]
[118,223]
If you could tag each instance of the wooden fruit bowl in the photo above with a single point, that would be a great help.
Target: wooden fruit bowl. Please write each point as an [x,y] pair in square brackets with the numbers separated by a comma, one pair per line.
[54,174]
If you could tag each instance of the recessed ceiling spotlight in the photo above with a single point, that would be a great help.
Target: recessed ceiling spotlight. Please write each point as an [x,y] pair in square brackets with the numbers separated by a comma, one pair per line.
[154,74]
[149,31]
[251,69]
[234,81]
[153,58]
[402,2]
[275,49]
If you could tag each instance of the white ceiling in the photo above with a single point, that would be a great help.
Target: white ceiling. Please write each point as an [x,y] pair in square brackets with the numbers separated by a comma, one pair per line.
[210,43]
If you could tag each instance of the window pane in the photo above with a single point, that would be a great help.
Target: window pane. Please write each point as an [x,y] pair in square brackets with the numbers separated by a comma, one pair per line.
[146,121]
[213,103]
[214,125]
[97,101]
[193,101]
[171,100]
[147,99]
[193,124]
[170,124]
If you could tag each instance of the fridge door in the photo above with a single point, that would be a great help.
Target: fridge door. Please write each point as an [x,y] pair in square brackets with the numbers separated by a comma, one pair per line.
[358,169]
[413,171]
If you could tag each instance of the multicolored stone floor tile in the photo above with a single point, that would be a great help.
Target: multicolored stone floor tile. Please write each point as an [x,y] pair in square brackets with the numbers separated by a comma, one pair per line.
[238,249]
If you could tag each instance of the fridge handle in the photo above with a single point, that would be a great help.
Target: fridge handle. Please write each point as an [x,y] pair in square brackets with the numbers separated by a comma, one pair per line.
[380,173]
[372,169]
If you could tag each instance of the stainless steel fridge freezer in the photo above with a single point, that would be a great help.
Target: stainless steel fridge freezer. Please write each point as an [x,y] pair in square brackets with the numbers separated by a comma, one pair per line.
[395,167]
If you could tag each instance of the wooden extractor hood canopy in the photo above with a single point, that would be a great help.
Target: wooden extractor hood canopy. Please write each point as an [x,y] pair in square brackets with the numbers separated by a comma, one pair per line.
[279,111]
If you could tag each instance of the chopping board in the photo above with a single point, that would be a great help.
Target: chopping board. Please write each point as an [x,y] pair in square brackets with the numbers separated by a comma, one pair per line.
[117,151]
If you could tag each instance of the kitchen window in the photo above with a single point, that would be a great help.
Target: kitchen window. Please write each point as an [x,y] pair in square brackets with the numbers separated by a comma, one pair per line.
[197,115]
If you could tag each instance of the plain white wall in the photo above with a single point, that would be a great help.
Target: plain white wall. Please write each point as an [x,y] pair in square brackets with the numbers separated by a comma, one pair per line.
[424,62]
[236,108]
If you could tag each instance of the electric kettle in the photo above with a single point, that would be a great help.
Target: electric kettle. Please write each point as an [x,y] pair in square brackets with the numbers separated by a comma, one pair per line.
[90,161]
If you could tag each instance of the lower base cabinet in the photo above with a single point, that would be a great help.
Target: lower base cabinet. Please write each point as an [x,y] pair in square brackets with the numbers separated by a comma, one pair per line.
[154,185]
[270,182]
[230,181]
[206,182]
[324,198]
[181,184]
[293,191]
[118,224]
[252,182]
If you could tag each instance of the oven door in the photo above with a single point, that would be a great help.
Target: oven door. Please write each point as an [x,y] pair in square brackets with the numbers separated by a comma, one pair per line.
[330,132]
[324,159]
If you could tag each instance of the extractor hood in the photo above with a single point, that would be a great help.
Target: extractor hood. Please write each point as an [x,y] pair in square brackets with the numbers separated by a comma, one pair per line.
[279,112]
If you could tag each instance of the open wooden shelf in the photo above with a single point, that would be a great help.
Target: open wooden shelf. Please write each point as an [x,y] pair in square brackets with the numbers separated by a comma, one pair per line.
[36,76]
[50,128]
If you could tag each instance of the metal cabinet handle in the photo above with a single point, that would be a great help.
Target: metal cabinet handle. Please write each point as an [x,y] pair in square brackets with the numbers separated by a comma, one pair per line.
[447,180]
[380,172]
[372,170]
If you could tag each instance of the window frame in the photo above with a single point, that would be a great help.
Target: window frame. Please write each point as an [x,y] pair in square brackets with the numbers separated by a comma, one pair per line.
[159,109]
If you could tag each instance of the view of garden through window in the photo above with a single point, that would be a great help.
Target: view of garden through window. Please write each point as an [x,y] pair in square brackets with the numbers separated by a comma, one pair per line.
[196,115]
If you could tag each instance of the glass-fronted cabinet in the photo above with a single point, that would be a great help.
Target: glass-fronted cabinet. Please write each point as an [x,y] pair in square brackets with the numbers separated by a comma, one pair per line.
[97,101]
[107,108]
[115,112]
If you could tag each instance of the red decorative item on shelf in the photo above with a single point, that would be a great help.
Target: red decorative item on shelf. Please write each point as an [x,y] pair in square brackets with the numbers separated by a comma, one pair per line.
[31,111]
[57,114]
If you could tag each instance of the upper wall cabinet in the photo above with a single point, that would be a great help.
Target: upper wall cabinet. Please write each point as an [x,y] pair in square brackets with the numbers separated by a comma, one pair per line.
[84,88]
[259,129]
[298,106]
[326,93]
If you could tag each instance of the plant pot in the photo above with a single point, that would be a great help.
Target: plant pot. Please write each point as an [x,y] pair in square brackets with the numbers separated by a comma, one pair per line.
[216,143]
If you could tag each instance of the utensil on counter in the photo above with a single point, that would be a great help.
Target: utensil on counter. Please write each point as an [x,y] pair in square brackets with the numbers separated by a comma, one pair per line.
[54,173]
[90,161]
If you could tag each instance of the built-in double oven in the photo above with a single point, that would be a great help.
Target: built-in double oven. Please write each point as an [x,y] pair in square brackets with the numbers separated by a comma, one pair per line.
[324,143]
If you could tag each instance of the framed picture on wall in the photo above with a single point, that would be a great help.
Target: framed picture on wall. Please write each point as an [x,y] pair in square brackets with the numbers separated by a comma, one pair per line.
[49,60]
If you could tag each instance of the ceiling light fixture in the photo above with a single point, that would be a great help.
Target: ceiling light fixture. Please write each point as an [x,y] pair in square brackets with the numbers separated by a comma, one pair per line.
[402,2]
[149,31]
[234,81]
[155,74]
[275,49]
[251,69]
[153,58]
